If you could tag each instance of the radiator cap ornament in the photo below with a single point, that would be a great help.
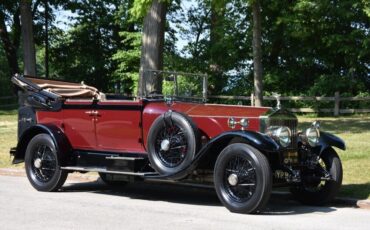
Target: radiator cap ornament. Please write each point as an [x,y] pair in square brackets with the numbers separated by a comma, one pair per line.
[277,97]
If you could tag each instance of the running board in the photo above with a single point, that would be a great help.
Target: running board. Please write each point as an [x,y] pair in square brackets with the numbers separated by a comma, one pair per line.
[103,170]
[125,158]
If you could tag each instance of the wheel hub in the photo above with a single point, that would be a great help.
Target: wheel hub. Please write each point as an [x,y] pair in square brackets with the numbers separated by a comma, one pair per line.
[233,179]
[37,163]
[165,145]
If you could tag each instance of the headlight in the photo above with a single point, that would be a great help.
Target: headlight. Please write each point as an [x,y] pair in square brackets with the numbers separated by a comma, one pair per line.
[313,136]
[282,135]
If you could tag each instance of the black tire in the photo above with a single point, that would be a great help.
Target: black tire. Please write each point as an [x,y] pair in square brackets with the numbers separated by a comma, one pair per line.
[317,193]
[107,179]
[177,132]
[42,164]
[254,179]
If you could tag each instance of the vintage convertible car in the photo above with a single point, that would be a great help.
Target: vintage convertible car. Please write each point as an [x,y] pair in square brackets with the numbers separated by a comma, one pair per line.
[241,151]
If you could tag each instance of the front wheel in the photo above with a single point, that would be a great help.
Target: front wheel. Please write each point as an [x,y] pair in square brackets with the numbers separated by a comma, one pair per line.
[242,178]
[42,164]
[321,184]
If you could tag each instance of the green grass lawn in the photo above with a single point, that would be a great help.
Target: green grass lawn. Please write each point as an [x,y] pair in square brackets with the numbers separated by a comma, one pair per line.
[355,130]
[8,135]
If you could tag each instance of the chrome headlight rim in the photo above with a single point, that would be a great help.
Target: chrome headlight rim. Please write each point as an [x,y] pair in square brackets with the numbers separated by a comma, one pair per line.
[313,141]
[282,135]
[286,140]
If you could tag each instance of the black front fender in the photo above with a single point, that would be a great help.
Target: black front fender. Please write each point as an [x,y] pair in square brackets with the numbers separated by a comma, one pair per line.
[260,141]
[61,142]
[328,140]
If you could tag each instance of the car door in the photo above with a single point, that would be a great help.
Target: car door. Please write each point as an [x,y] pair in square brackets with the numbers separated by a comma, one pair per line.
[79,123]
[118,126]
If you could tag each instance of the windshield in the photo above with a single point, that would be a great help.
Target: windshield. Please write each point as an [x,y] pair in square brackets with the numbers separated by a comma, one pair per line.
[177,85]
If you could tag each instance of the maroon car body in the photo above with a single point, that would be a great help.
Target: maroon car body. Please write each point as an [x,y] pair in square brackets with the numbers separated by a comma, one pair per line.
[242,151]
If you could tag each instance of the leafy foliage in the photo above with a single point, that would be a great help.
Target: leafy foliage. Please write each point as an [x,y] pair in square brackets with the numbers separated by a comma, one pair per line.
[87,52]
[310,44]
[310,47]
[128,62]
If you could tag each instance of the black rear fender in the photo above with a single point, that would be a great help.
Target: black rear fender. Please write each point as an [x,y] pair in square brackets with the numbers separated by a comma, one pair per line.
[62,145]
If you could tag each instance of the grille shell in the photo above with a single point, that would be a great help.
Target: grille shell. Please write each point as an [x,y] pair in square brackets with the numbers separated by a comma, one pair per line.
[281,118]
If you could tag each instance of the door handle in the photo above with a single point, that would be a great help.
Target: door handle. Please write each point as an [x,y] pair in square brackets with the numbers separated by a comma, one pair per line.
[93,113]
[90,113]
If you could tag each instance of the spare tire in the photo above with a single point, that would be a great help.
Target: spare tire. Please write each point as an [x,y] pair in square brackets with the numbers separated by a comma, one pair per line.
[173,141]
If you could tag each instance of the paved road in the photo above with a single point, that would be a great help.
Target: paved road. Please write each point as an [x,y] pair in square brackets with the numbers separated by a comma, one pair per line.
[92,205]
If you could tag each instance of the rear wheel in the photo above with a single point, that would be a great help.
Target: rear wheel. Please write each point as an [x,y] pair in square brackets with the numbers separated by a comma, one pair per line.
[242,178]
[42,164]
[321,184]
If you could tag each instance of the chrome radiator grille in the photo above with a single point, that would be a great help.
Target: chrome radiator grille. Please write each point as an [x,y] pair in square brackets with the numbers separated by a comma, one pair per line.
[281,118]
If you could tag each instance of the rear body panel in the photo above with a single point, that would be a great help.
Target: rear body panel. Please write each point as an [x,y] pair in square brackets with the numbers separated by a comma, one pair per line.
[101,126]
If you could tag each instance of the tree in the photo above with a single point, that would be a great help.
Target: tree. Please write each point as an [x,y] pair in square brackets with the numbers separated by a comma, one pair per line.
[29,53]
[152,48]
[128,59]
[310,44]
[85,51]
[257,53]
[10,45]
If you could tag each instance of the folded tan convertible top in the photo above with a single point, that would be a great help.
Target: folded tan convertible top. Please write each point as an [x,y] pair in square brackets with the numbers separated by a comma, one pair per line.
[66,89]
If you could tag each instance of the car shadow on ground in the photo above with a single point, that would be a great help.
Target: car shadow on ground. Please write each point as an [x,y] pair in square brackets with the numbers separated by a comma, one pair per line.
[361,191]
[280,203]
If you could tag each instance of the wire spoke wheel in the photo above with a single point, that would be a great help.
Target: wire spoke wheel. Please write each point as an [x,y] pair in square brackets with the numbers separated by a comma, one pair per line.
[42,164]
[173,141]
[171,146]
[316,183]
[321,184]
[242,178]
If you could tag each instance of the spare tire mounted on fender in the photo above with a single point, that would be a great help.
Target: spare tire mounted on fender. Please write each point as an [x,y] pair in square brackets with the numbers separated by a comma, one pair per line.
[173,141]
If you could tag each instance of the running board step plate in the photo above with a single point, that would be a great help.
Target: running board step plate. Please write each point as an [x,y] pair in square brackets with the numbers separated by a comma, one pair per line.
[125,158]
[103,170]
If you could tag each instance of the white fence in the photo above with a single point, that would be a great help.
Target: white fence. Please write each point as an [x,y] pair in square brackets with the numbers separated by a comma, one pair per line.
[11,102]
[336,110]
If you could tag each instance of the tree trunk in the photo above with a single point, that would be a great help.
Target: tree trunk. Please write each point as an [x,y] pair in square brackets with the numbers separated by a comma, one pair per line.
[9,48]
[217,32]
[257,53]
[152,48]
[29,55]
[46,15]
